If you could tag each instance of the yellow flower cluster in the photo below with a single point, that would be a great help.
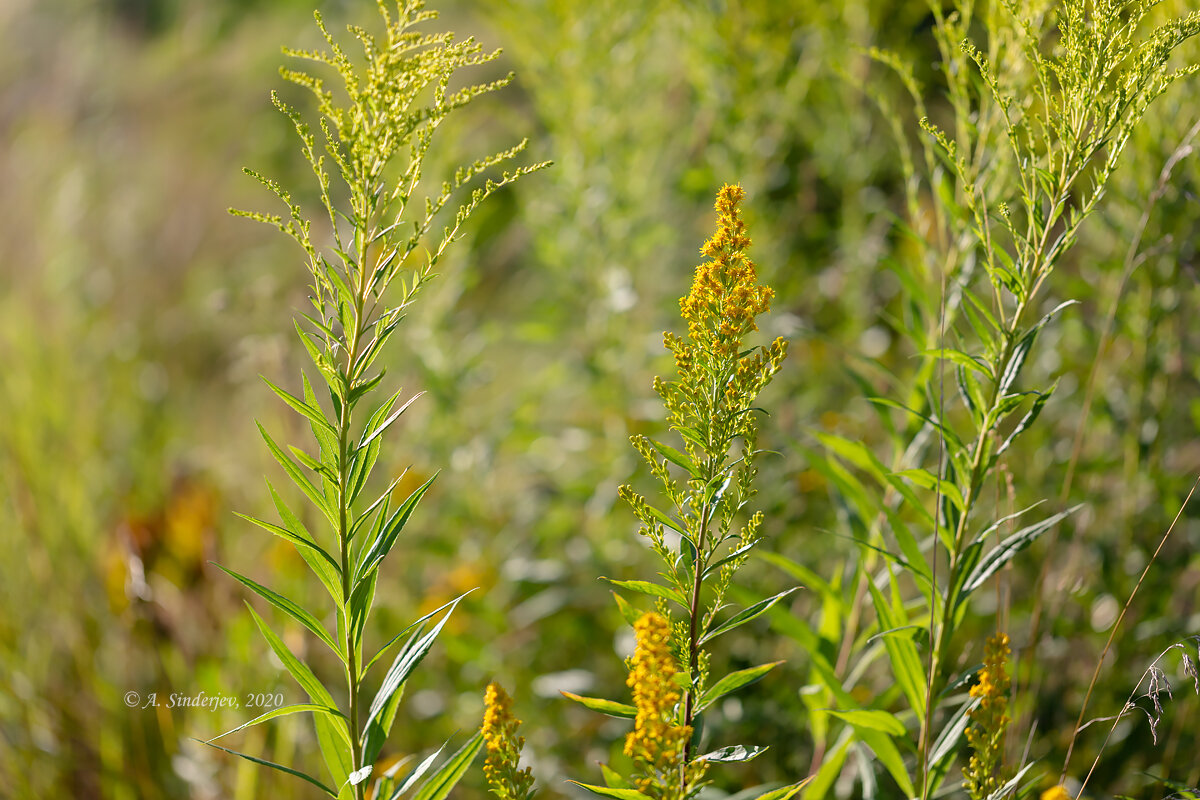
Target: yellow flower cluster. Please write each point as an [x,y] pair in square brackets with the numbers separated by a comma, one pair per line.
[720,310]
[655,743]
[989,720]
[503,747]
[725,296]
[1057,793]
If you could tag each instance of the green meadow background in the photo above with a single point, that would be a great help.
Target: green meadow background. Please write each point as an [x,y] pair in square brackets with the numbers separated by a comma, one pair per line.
[136,316]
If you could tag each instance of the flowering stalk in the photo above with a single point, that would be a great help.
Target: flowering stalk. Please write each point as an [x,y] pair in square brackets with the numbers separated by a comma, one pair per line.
[504,748]
[984,773]
[380,247]
[707,535]
[656,744]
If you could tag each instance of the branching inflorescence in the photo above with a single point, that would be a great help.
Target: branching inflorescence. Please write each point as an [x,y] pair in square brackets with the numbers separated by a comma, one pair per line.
[706,536]
[381,246]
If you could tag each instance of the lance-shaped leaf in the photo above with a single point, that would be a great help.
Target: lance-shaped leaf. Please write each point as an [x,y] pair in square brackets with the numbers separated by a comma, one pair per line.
[732,682]
[732,754]
[288,607]
[273,765]
[616,794]
[902,651]
[327,569]
[652,589]
[784,792]
[386,537]
[871,719]
[283,711]
[946,744]
[313,413]
[300,479]
[384,785]
[333,735]
[376,429]
[417,624]
[745,615]
[383,707]
[609,707]
[300,671]
[441,782]
[1003,552]
[677,458]
[1030,417]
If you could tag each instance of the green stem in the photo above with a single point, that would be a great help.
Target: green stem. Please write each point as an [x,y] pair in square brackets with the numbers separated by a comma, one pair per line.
[352,340]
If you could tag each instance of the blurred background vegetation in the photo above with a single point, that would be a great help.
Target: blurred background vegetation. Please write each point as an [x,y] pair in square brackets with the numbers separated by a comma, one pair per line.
[136,315]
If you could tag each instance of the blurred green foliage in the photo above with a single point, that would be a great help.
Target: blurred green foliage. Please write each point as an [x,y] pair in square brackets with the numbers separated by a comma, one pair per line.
[135,316]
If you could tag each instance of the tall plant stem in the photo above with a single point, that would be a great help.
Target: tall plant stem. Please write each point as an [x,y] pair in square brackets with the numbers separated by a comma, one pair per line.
[689,706]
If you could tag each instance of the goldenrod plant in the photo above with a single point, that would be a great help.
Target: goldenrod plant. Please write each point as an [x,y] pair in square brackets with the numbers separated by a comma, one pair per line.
[382,238]
[1040,111]
[705,535]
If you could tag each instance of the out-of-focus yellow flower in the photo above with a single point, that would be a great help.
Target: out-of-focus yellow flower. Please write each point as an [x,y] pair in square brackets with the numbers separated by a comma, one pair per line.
[504,747]
[984,773]
[1057,793]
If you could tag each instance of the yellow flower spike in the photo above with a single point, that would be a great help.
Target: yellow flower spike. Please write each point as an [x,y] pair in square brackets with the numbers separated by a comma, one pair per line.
[656,744]
[1057,793]
[985,771]
[504,747]
[725,296]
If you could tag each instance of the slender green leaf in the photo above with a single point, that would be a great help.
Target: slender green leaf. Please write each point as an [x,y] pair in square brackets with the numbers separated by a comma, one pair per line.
[372,433]
[411,779]
[902,652]
[652,589]
[628,612]
[288,607]
[412,626]
[282,711]
[614,779]
[1030,417]
[732,754]
[445,779]
[609,707]
[406,661]
[1003,552]
[273,765]
[960,358]
[888,755]
[616,794]
[744,616]
[300,541]
[298,670]
[677,458]
[328,571]
[871,719]
[313,414]
[387,535]
[318,499]
[785,792]
[927,480]
[946,744]
[734,681]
